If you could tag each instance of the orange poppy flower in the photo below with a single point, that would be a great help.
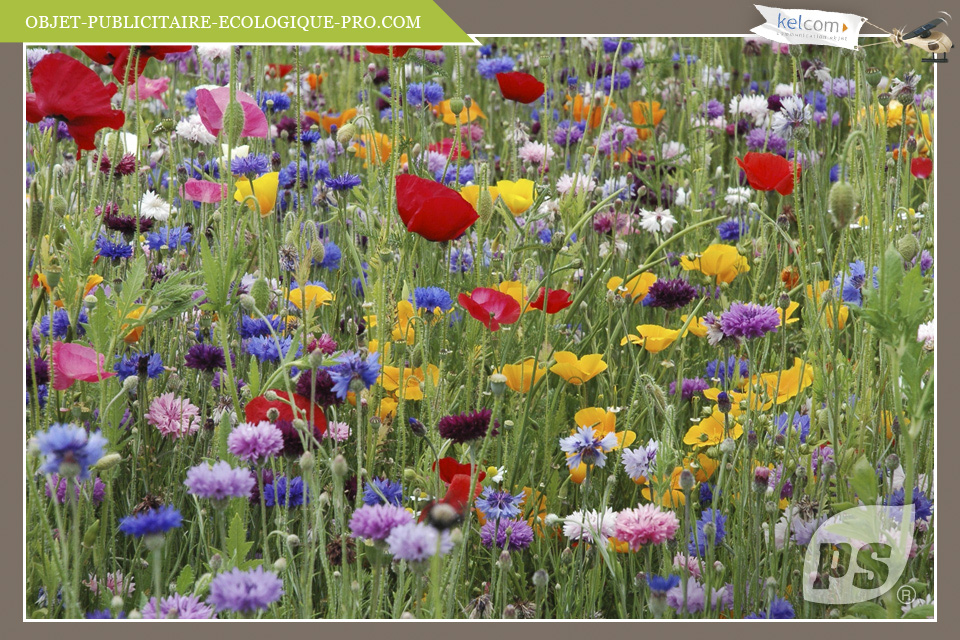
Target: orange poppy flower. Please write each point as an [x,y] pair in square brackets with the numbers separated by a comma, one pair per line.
[646,113]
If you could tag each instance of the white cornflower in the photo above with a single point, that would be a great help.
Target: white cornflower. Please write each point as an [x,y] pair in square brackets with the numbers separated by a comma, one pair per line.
[193,130]
[213,52]
[737,196]
[753,106]
[927,334]
[590,526]
[536,152]
[659,220]
[154,207]
[578,183]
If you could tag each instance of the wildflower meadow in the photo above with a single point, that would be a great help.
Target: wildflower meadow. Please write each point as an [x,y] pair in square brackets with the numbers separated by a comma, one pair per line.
[545,328]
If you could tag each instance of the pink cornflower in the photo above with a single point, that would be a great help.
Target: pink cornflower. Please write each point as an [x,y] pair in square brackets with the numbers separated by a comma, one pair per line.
[115,583]
[255,442]
[646,524]
[472,132]
[338,431]
[173,416]
[690,563]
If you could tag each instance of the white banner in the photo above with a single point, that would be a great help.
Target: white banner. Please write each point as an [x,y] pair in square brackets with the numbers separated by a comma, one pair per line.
[802,26]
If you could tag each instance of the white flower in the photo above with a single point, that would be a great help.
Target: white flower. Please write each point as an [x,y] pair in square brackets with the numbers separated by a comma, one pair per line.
[536,152]
[213,52]
[549,207]
[753,106]
[581,182]
[672,150]
[590,526]
[154,207]
[192,129]
[498,477]
[927,334]
[590,44]
[738,195]
[783,90]
[657,221]
[680,198]
[618,247]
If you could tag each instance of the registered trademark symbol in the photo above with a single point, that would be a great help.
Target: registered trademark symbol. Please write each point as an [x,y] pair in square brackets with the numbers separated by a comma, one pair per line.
[906,594]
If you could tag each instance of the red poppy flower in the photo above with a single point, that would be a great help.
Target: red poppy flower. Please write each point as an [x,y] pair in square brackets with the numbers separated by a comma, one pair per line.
[67,90]
[457,478]
[557,300]
[921,168]
[256,410]
[446,147]
[450,468]
[431,210]
[399,50]
[119,57]
[520,87]
[768,172]
[278,70]
[491,307]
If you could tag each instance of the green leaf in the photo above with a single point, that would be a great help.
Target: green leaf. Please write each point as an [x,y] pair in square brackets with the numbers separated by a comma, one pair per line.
[923,611]
[911,296]
[253,377]
[863,478]
[870,610]
[236,543]
[185,580]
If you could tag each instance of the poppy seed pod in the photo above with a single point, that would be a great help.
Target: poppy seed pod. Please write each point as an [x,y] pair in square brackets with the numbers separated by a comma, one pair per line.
[884,99]
[841,202]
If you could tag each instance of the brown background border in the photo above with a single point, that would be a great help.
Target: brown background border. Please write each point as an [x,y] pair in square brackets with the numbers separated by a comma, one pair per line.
[694,17]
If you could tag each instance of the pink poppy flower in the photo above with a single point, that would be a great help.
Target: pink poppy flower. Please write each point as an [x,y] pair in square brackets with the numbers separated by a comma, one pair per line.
[203,191]
[72,362]
[211,103]
[148,88]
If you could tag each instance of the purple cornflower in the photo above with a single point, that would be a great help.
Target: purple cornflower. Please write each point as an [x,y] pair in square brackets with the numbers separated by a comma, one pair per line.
[69,450]
[466,426]
[641,461]
[779,609]
[716,521]
[42,369]
[376,522]
[568,133]
[343,182]
[692,601]
[205,357]
[495,505]
[96,489]
[245,591]
[176,607]
[713,109]
[255,442]
[219,482]
[494,532]
[354,373]
[250,165]
[670,294]
[415,542]
[617,139]
[585,447]
[689,387]
[745,320]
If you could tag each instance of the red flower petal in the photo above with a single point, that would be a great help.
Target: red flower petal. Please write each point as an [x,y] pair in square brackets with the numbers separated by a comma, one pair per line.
[557,300]
[256,410]
[921,168]
[446,147]
[520,87]
[431,210]
[491,307]
[399,50]
[768,172]
[450,468]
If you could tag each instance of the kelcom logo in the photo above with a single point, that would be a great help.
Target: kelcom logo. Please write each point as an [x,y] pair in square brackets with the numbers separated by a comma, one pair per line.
[799,24]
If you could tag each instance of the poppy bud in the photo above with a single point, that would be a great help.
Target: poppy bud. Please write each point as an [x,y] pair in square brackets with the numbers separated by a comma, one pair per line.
[728,446]
[260,292]
[892,462]
[908,246]
[233,121]
[307,461]
[293,541]
[339,466]
[317,251]
[687,481]
[456,105]
[443,516]
[248,303]
[911,144]
[485,205]
[280,565]
[346,134]
[90,537]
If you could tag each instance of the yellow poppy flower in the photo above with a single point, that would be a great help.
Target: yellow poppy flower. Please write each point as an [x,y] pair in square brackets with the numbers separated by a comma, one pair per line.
[780,386]
[836,318]
[791,308]
[578,370]
[516,290]
[652,337]
[720,260]
[703,466]
[518,196]
[404,329]
[520,377]
[134,335]
[636,288]
[646,113]
[264,189]
[373,346]
[696,327]
[471,194]
[735,399]
[602,422]
[375,147]
[467,115]
[710,431]
[311,295]
[673,496]
[413,380]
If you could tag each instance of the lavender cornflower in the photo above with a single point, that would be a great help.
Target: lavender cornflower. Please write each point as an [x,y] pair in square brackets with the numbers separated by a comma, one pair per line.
[745,320]
[617,139]
[376,522]
[255,442]
[494,533]
[792,118]
[69,450]
[641,461]
[219,482]
[568,133]
[496,505]
[416,542]
[354,373]
[245,591]
[585,447]
[779,609]
[96,489]
[689,387]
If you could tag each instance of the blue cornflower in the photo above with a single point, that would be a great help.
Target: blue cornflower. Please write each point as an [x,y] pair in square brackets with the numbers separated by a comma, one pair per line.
[344,182]
[382,491]
[151,523]
[851,283]
[662,584]
[834,173]
[310,136]
[922,505]
[61,323]
[331,256]
[276,493]
[259,327]
[545,235]
[70,444]
[268,349]
[170,237]
[800,423]
[717,369]
[499,505]
[616,82]
[485,51]
[731,230]
[461,261]
[250,165]
[709,516]
[610,46]
[431,298]
[321,170]
[817,99]
[131,365]
[281,101]
[466,174]
[418,93]
[488,68]
[104,614]
[780,609]
[706,494]
[107,248]
[287,178]
[190,99]
[354,373]
[42,394]
[585,447]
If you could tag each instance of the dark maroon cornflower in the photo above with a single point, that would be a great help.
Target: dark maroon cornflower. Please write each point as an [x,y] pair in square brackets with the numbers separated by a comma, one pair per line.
[350,488]
[466,426]
[670,294]
[42,369]
[289,125]
[689,387]
[126,165]
[322,388]
[205,357]
[127,225]
[774,103]
[293,439]
[325,344]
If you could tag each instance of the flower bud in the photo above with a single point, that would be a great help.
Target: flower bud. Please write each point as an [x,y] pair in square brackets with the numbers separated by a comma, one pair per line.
[280,565]
[346,134]
[293,541]
[540,578]
[108,461]
[308,461]
[339,466]
[728,446]
[909,247]
[841,202]
[687,481]
[456,105]
[248,303]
